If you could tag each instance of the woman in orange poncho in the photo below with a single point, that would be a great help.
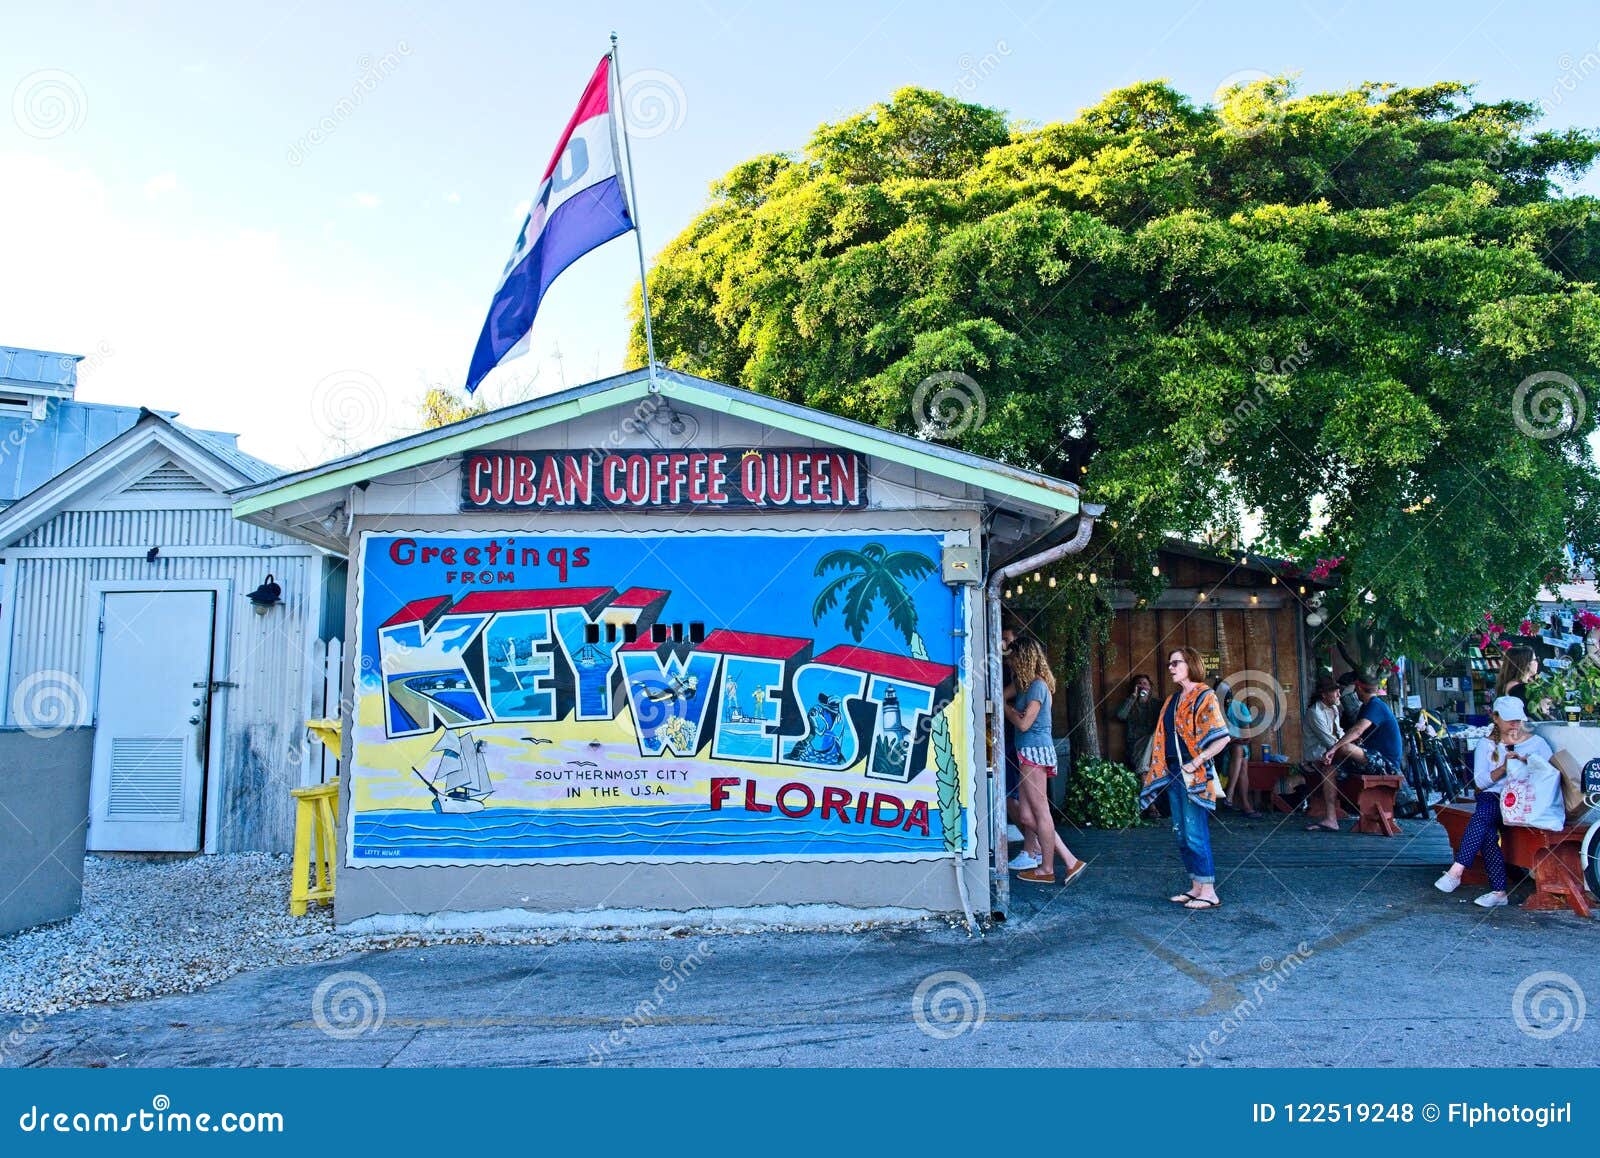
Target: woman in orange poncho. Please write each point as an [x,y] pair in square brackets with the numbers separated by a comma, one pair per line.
[1190,733]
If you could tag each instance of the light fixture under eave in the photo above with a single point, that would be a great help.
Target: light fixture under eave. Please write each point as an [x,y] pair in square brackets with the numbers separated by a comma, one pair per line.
[267,596]
[1254,598]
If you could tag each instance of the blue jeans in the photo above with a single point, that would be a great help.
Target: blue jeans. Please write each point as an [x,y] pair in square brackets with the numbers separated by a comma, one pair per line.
[1193,826]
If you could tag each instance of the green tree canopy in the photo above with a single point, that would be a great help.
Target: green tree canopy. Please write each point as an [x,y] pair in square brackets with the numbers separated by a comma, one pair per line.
[1318,308]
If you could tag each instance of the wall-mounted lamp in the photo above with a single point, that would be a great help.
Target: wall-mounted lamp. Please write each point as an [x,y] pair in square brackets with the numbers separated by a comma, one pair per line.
[267,596]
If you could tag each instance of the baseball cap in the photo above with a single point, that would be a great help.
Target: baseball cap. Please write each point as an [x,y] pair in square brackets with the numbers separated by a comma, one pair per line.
[1510,708]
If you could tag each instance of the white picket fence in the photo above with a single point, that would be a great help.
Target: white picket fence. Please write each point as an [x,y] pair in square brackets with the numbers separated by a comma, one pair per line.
[327,666]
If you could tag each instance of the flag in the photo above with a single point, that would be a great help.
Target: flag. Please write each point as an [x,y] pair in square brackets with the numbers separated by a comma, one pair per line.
[580,206]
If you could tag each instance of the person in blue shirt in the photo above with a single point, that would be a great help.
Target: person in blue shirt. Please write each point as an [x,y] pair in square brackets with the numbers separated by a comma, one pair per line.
[1370,746]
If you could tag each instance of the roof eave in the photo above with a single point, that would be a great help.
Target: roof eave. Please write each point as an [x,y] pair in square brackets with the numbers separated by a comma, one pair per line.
[1055,495]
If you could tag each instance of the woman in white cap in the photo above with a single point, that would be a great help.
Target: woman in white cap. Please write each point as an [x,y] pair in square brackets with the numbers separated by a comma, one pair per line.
[1510,742]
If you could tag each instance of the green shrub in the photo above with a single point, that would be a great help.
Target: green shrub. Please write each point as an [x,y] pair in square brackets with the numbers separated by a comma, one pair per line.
[1102,794]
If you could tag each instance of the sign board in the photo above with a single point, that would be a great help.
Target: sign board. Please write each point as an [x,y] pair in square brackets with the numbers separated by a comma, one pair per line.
[688,478]
[656,696]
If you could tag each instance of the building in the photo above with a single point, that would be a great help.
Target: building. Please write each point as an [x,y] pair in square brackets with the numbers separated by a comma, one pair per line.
[124,602]
[660,644]
[1245,614]
[44,429]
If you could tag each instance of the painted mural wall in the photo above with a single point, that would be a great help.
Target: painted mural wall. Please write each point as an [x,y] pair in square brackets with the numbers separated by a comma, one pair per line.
[657,697]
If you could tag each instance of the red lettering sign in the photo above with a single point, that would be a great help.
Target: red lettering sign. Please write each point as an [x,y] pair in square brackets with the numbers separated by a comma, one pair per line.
[765,478]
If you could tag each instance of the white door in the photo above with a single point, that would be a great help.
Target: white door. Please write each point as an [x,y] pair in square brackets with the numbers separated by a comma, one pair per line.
[150,734]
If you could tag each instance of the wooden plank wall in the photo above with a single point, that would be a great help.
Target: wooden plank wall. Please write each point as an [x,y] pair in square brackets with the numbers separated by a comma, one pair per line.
[1141,640]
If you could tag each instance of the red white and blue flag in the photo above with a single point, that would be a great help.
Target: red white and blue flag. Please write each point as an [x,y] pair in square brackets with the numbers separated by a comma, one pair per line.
[580,206]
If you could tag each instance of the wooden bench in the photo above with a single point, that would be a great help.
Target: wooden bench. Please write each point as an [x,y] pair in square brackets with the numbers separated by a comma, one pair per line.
[1372,797]
[1551,858]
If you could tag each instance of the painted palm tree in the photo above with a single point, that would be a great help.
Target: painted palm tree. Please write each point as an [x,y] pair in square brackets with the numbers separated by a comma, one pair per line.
[875,575]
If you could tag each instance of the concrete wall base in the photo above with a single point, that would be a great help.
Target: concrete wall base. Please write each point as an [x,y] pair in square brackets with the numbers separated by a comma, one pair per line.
[758,918]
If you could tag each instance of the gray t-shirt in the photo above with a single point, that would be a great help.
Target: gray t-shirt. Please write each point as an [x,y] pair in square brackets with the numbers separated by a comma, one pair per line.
[1036,744]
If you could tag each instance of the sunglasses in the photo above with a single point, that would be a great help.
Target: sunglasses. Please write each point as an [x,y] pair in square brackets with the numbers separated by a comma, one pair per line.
[1175,662]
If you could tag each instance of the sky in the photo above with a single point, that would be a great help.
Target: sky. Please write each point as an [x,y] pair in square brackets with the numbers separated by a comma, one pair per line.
[286,221]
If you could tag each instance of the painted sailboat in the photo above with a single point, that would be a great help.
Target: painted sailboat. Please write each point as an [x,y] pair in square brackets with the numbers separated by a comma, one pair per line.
[460,778]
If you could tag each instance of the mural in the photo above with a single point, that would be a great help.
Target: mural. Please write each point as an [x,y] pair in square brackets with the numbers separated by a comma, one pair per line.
[658,697]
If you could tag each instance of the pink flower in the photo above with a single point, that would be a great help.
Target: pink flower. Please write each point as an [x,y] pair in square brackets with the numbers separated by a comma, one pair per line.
[1525,627]
[1588,621]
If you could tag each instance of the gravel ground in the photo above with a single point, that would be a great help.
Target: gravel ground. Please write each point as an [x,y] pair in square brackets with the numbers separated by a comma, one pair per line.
[153,927]
[149,928]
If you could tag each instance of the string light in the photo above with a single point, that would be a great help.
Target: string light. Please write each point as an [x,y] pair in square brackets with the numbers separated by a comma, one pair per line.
[1052,580]
[1036,576]
[1302,589]
[1201,597]
[1093,578]
[1274,581]
[1254,598]
[1156,570]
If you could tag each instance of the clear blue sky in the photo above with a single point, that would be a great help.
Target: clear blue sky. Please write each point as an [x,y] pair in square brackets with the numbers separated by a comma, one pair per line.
[168,215]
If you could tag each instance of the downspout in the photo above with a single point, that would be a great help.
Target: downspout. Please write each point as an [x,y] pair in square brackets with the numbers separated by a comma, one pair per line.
[999,875]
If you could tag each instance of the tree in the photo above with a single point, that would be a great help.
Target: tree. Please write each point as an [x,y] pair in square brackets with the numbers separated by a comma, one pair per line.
[1330,311]
[440,407]
[876,575]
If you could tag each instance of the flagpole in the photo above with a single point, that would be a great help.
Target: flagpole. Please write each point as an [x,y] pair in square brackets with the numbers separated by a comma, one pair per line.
[633,205]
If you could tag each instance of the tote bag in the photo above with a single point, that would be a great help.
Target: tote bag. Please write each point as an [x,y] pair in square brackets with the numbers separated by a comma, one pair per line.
[1532,797]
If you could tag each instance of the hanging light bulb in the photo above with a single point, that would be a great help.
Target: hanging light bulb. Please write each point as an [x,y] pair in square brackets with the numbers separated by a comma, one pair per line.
[1080,576]
[1302,588]
[1254,598]
[1052,580]
[1156,570]
[1274,580]
[1093,578]
[1036,576]
[1201,597]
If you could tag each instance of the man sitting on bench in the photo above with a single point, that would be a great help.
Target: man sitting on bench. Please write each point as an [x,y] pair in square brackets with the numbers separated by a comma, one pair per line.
[1370,747]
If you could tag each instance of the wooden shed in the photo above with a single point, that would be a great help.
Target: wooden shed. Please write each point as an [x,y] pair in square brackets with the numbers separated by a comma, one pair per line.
[1246,614]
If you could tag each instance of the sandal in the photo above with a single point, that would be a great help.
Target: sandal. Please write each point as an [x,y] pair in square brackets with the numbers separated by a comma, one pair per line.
[1183,898]
[1037,876]
[1321,828]
[1199,903]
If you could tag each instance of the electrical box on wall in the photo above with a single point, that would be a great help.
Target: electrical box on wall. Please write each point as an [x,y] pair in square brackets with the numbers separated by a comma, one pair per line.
[961,565]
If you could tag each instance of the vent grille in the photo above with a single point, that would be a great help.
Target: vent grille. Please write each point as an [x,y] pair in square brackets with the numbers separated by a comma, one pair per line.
[146,778]
[168,477]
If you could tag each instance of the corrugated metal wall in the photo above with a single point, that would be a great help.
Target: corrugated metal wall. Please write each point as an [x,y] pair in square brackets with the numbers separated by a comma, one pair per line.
[263,748]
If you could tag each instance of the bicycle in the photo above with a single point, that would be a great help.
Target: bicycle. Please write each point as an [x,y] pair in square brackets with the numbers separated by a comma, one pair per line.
[1435,770]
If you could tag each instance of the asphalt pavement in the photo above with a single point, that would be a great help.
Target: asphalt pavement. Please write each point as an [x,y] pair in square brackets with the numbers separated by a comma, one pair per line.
[1328,951]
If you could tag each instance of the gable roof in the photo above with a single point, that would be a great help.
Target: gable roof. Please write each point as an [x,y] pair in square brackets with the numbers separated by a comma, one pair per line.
[204,454]
[1052,494]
